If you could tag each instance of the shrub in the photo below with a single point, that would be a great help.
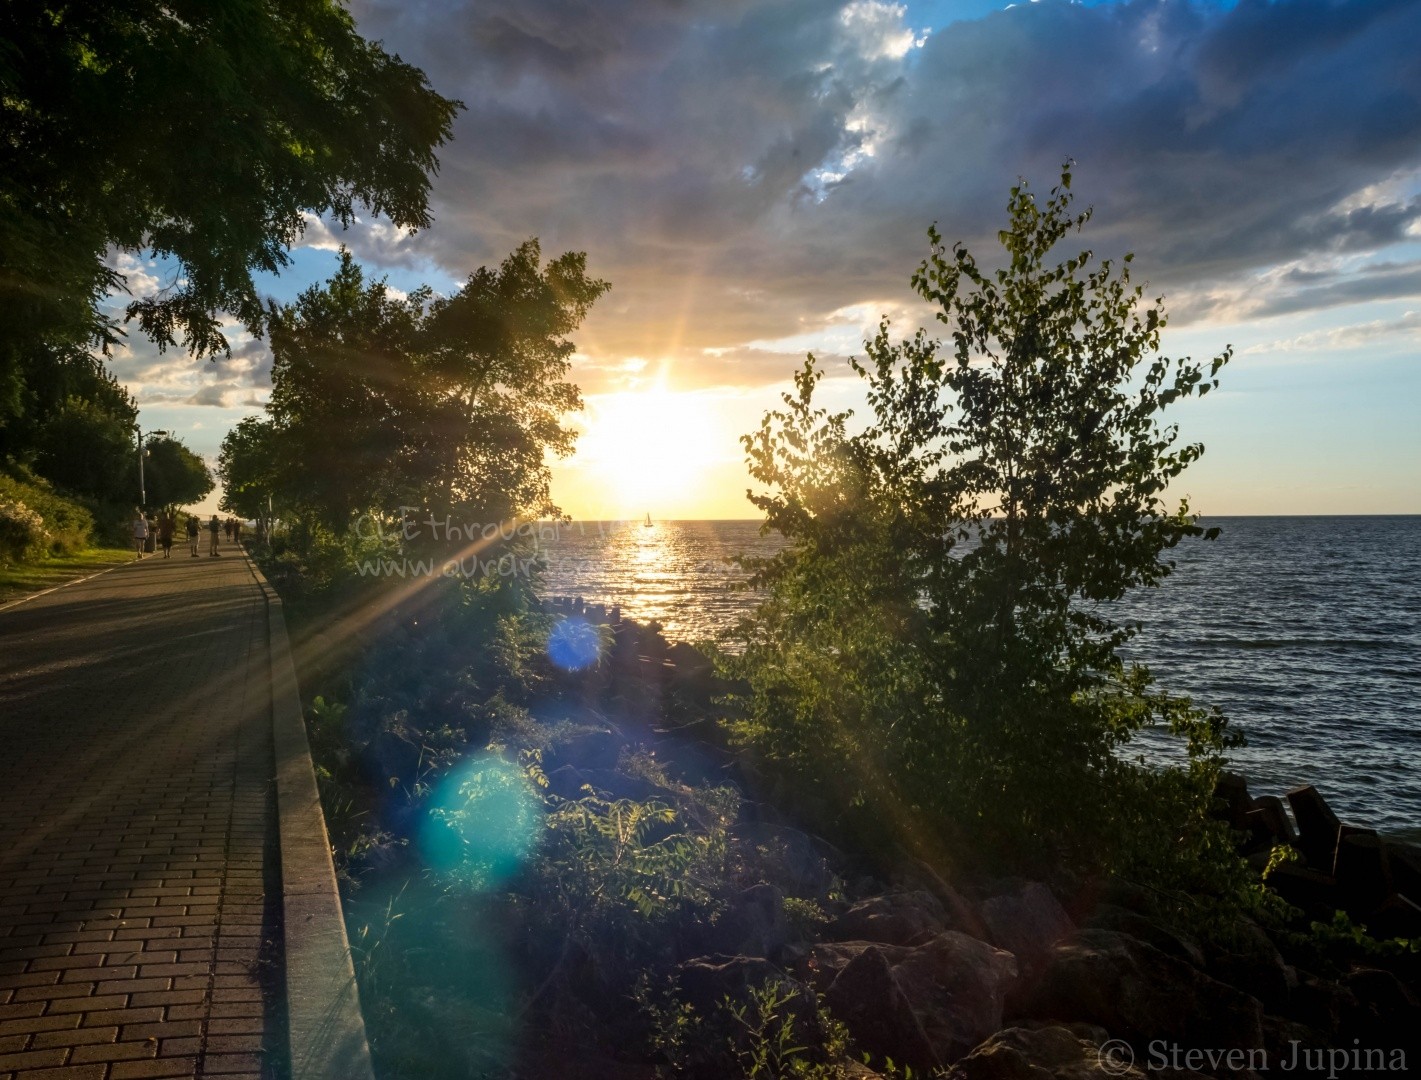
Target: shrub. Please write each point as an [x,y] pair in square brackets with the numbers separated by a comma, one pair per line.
[36,522]
[936,643]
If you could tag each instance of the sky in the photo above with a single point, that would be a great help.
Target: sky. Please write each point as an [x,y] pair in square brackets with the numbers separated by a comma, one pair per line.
[756,179]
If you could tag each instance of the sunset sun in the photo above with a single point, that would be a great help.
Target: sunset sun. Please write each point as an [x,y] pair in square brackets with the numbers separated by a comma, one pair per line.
[646,449]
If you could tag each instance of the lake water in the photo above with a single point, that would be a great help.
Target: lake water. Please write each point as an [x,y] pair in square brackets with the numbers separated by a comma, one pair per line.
[1306,631]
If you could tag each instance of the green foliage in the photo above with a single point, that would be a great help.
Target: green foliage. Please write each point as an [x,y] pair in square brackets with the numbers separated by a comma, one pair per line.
[248,464]
[173,476]
[203,132]
[86,449]
[936,641]
[779,1032]
[443,404]
[618,854]
[35,521]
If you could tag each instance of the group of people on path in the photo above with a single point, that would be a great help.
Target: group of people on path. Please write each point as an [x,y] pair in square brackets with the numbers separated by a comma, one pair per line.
[164,527]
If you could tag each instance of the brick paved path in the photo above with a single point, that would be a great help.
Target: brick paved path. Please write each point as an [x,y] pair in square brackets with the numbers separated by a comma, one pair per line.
[135,827]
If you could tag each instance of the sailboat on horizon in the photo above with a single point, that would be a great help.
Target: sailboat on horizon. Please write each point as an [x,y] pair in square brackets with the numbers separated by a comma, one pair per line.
[647,523]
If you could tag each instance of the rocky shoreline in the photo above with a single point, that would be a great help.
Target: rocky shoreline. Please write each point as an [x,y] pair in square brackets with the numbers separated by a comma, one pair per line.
[985,980]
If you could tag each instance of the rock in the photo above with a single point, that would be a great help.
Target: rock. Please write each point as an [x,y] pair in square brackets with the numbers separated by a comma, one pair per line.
[753,924]
[793,860]
[1026,922]
[707,981]
[909,918]
[1318,827]
[866,997]
[1143,928]
[1232,800]
[1396,917]
[1267,824]
[1249,961]
[1043,1053]
[566,782]
[1404,861]
[1140,994]
[588,750]
[1325,1006]
[1384,1005]
[960,914]
[1363,879]
[827,959]
[956,986]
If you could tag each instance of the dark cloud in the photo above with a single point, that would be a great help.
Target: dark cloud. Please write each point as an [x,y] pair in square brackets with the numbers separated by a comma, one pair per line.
[738,167]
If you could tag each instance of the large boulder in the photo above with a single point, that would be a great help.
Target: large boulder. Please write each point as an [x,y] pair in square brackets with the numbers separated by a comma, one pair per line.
[1246,958]
[1385,1006]
[595,749]
[753,924]
[956,986]
[707,981]
[827,958]
[795,861]
[1151,932]
[1140,994]
[866,997]
[1045,1053]
[1027,922]
[909,918]
[953,985]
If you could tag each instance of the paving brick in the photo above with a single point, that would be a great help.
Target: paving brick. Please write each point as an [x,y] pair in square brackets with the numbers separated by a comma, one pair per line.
[124,1051]
[158,1067]
[72,1072]
[76,1037]
[134,806]
[33,1059]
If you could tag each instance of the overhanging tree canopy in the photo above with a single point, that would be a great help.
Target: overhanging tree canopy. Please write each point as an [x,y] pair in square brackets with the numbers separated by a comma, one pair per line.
[203,130]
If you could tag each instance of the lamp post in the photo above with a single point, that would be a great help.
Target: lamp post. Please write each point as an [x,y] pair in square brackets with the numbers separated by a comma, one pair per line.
[142,490]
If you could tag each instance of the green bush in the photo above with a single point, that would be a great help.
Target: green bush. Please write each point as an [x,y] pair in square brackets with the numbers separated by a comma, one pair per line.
[936,643]
[36,522]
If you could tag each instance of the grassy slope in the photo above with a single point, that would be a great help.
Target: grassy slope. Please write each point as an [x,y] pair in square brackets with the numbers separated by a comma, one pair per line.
[27,579]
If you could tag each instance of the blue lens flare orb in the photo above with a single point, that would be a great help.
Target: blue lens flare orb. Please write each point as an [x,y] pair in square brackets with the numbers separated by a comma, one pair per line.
[575,644]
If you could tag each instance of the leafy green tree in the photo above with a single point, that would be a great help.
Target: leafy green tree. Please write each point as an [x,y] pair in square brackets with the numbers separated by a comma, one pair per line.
[200,130]
[447,403]
[173,475]
[938,629]
[87,450]
[248,465]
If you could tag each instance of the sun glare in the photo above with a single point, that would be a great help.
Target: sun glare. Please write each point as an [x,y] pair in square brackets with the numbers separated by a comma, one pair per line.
[647,449]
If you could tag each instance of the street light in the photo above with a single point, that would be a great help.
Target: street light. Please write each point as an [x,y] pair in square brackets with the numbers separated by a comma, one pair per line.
[142,490]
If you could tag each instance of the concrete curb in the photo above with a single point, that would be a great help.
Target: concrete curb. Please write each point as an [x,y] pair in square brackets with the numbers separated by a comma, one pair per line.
[326,1032]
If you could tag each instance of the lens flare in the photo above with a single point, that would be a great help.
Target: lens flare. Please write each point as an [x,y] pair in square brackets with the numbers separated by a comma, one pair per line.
[574,644]
[484,822]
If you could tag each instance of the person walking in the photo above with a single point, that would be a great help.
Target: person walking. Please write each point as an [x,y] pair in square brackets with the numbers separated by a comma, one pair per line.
[166,527]
[227,529]
[194,529]
[213,528]
[237,531]
[140,531]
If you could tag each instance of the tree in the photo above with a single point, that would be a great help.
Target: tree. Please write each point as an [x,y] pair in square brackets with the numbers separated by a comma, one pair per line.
[447,403]
[248,465]
[201,131]
[87,450]
[940,621]
[72,423]
[173,475]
